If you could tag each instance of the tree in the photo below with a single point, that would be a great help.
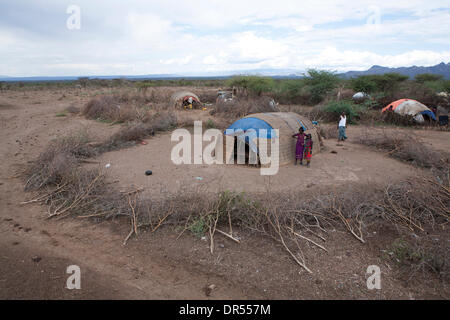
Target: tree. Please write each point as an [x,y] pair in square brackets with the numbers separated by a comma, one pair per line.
[364,84]
[425,77]
[321,82]
[252,84]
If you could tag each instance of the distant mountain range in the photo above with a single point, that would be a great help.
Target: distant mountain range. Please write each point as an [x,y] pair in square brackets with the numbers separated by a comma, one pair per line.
[442,69]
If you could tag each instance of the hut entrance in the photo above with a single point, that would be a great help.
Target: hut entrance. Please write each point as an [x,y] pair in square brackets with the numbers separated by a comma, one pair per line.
[251,158]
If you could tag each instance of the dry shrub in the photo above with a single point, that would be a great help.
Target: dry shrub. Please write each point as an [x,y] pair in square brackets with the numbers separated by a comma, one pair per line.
[207,95]
[137,131]
[123,108]
[319,114]
[296,219]
[85,193]
[397,119]
[419,257]
[371,117]
[404,146]
[328,131]
[420,203]
[57,160]
[157,95]
[111,108]
[240,107]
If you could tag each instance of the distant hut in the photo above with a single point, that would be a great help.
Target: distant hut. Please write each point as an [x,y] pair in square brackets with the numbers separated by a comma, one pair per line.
[410,107]
[184,98]
[360,97]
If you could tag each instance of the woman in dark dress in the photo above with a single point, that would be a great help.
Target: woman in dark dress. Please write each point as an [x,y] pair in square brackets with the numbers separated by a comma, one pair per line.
[299,146]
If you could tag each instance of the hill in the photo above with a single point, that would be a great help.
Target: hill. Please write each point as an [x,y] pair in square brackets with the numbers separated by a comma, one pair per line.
[441,68]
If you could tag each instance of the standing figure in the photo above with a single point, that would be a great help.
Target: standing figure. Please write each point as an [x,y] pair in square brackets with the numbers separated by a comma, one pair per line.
[308,149]
[341,127]
[299,146]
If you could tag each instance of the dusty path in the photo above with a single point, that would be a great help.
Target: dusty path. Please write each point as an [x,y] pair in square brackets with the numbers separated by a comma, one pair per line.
[158,266]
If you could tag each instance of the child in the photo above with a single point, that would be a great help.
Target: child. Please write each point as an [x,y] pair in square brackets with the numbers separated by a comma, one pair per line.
[299,146]
[308,148]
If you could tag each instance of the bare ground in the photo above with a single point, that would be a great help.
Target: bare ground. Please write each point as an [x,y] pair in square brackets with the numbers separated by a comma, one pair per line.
[158,265]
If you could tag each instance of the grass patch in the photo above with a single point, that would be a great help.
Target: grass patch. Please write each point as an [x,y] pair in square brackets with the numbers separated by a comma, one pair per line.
[62,114]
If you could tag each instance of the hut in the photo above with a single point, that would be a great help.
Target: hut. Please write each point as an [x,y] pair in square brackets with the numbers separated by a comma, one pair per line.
[410,107]
[360,97]
[185,98]
[248,129]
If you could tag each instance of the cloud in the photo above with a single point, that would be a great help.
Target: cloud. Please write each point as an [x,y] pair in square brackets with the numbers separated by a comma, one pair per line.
[172,36]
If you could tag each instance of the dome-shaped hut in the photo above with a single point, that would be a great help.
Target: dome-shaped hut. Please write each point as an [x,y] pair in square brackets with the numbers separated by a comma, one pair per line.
[287,123]
[184,98]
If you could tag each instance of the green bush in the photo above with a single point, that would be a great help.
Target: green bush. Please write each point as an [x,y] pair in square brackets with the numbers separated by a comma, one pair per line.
[387,83]
[364,84]
[425,77]
[293,91]
[252,84]
[321,82]
[337,107]
[198,227]
[438,86]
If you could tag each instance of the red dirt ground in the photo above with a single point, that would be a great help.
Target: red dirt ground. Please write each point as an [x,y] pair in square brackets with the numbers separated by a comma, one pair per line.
[157,265]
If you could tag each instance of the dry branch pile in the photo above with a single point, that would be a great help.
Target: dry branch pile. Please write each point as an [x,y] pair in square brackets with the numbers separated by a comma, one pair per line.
[405,147]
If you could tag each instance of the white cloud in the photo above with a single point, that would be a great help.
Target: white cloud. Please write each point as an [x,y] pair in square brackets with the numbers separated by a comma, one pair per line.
[175,36]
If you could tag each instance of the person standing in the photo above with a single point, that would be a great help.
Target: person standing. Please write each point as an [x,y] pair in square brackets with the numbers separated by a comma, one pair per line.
[299,146]
[341,127]
[308,149]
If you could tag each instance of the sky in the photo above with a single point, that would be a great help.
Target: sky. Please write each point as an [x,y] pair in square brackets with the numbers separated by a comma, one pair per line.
[202,37]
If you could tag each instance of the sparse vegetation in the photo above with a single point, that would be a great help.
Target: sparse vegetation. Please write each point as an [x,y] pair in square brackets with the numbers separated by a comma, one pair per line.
[70,190]
[296,222]
[407,147]
[241,107]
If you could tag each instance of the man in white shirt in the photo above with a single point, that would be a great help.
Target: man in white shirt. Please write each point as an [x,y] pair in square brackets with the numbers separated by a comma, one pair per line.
[342,125]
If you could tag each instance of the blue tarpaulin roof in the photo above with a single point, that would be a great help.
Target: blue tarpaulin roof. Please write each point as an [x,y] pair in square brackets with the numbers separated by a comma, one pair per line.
[246,129]
[430,114]
[256,124]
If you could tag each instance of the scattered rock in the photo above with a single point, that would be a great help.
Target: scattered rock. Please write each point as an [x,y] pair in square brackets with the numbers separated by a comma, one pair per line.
[148,172]
[334,152]
[36,259]
[209,289]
